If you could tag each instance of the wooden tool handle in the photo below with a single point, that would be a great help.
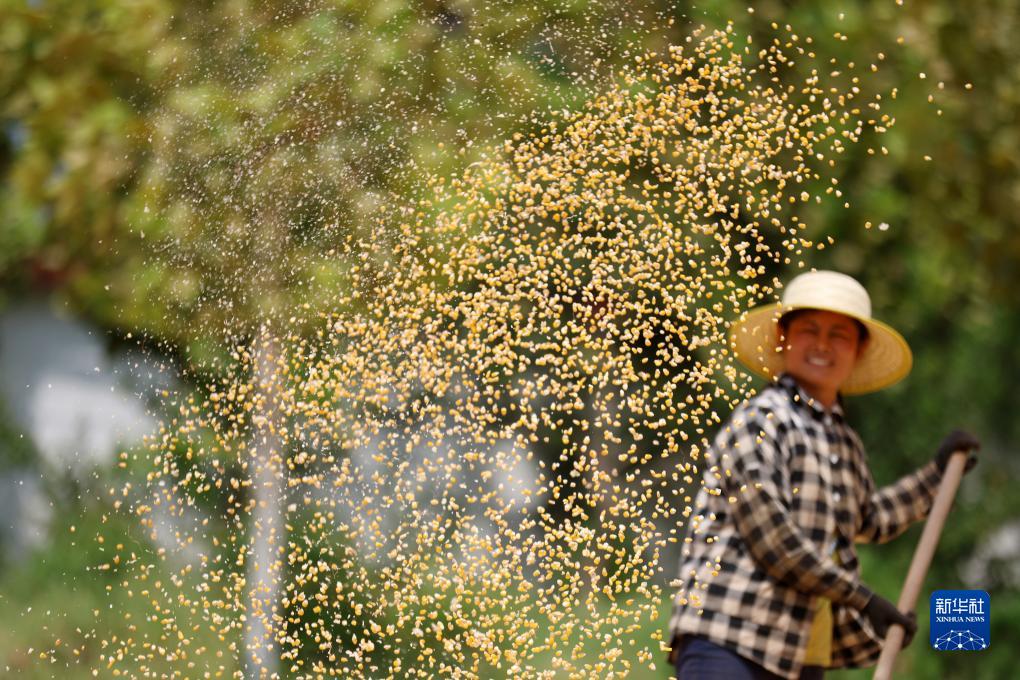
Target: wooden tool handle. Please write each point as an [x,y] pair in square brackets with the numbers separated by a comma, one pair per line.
[922,560]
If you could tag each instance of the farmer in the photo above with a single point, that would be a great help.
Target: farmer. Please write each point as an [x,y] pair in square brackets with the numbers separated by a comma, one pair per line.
[769,578]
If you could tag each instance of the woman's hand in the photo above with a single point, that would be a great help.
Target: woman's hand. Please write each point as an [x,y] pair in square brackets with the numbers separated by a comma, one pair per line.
[882,613]
[957,440]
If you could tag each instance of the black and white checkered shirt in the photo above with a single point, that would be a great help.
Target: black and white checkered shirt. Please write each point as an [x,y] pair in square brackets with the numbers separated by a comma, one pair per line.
[786,490]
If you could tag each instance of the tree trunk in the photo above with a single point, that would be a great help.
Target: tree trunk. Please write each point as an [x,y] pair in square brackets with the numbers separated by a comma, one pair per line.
[267,538]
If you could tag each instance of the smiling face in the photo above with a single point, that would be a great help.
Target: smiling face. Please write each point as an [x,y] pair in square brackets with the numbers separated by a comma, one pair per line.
[820,350]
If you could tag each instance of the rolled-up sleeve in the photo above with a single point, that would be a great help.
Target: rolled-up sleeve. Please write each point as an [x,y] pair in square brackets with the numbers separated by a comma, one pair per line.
[889,511]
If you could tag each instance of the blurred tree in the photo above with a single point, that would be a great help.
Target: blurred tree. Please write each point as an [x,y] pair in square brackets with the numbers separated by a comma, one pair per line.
[196,170]
[72,79]
[200,194]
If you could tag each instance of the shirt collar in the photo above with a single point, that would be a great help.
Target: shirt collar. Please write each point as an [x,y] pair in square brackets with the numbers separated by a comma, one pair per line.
[789,384]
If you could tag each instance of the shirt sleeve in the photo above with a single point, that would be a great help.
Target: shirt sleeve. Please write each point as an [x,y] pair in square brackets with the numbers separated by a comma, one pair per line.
[889,511]
[756,474]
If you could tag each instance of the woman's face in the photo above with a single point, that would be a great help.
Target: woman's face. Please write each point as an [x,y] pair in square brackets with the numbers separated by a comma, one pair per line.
[820,350]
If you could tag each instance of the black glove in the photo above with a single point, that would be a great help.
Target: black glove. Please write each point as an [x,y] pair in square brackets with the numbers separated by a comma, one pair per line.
[957,440]
[882,613]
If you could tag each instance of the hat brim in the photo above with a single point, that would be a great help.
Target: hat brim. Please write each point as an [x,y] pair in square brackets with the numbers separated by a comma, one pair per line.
[886,359]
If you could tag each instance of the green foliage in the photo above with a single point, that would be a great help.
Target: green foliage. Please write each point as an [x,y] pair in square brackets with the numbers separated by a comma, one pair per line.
[16,449]
[190,170]
[67,602]
[197,193]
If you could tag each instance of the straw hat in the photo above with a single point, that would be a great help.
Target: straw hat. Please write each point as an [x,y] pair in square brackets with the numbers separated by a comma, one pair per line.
[886,359]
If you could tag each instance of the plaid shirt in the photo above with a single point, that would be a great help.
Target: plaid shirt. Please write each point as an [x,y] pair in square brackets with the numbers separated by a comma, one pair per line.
[786,489]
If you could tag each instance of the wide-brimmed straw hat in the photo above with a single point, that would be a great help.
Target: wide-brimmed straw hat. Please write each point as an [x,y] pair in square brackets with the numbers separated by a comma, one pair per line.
[886,359]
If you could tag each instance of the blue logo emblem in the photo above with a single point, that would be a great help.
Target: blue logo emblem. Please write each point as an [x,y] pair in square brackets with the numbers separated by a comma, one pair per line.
[960,620]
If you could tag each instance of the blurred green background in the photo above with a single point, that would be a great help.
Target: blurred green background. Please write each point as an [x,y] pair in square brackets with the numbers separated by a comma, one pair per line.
[173,172]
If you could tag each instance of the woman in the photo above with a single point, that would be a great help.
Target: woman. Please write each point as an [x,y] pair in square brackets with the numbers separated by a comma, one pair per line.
[769,581]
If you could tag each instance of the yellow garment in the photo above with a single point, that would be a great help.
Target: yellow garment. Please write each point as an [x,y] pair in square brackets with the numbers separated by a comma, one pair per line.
[819,644]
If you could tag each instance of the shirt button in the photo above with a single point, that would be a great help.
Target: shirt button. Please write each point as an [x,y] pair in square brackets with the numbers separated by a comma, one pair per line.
[834,459]
[837,496]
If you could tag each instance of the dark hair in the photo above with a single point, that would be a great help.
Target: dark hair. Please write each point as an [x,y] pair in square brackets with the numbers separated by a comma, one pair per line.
[786,319]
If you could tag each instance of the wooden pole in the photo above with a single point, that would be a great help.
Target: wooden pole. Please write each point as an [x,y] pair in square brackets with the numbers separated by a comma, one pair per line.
[922,560]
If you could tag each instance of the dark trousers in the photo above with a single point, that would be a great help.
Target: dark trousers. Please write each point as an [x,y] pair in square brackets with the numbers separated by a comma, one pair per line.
[699,659]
